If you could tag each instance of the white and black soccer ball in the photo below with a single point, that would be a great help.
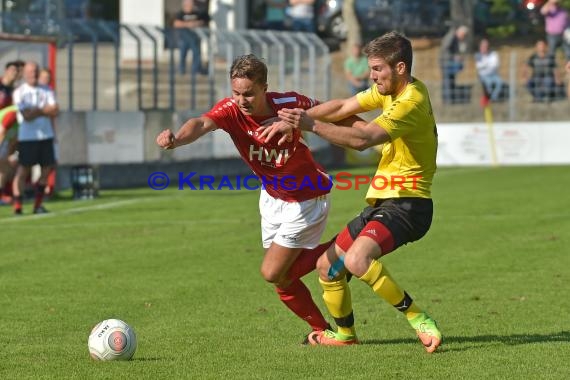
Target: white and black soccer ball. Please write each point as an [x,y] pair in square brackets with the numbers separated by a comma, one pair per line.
[112,339]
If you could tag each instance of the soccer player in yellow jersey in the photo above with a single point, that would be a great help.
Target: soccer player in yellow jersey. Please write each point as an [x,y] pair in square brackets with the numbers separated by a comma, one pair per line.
[399,207]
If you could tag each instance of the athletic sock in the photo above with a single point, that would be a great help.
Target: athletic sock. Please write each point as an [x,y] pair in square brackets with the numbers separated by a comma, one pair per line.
[40,189]
[382,283]
[337,297]
[307,260]
[297,298]
[17,202]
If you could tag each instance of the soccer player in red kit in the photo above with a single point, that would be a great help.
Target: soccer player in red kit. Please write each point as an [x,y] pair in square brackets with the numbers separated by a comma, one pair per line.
[294,201]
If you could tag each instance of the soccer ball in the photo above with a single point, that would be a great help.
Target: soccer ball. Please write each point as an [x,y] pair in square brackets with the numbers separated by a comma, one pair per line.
[112,339]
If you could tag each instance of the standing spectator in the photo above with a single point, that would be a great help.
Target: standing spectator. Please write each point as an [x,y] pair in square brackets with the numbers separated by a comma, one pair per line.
[275,14]
[302,14]
[453,46]
[555,21]
[8,142]
[11,75]
[541,75]
[356,69]
[45,79]
[487,63]
[188,18]
[567,68]
[36,105]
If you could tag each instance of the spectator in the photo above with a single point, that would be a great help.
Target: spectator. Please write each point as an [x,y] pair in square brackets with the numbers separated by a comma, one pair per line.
[11,75]
[45,79]
[275,14]
[567,67]
[356,69]
[555,21]
[302,14]
[540,73]
[487,63]
[8,142]
[453,45]
[188,18]
[36,105]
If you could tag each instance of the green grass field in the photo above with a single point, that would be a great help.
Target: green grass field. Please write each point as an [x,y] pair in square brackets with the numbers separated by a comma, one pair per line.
[182,268]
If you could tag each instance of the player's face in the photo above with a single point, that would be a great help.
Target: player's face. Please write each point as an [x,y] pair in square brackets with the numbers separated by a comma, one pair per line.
[249,96]
[383,76]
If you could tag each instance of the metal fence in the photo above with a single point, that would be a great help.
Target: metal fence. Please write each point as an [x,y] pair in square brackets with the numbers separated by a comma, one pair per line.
[103,65]
[115,67]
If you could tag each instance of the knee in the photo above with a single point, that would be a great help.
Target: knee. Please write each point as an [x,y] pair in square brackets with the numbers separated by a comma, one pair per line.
[271,275]
[323,266]
[355,264]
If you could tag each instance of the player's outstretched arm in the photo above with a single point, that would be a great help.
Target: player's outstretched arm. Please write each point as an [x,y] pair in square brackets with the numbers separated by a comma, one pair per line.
[335,109]
[192,130]
[362,135]
[341,111]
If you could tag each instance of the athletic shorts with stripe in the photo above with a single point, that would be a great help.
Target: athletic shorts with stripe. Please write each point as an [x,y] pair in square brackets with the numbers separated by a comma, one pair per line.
[390,222]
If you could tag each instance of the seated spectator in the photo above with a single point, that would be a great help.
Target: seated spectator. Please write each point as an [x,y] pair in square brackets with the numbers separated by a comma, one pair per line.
[453,46]
[487,63]
[275,14]
[190,17]
[356,70]
[541,76]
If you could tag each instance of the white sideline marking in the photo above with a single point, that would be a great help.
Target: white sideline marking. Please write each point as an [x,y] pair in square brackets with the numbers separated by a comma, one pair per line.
[75,210]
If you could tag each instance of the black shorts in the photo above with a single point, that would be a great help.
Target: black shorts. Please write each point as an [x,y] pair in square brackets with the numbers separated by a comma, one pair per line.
[408,219]
[40,152]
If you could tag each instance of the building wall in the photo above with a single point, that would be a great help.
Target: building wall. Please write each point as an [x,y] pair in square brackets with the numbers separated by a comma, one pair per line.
[229,14]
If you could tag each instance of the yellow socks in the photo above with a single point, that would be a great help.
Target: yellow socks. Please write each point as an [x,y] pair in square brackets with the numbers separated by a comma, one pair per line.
[382,283]
[336,295]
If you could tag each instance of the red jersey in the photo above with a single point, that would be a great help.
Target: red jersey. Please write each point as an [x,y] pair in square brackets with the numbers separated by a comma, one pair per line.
[288,171]
[5,95]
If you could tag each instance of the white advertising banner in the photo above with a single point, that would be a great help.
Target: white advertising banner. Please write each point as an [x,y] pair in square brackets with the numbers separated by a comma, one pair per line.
[503,143]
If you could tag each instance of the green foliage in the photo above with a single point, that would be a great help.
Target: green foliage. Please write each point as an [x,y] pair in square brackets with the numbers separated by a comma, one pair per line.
[182,267]
[503,31]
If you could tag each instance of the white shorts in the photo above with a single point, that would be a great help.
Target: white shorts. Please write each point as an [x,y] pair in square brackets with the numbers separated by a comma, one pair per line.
[293,224]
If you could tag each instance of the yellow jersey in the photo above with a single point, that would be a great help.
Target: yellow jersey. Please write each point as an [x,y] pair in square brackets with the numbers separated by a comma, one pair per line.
[408,161]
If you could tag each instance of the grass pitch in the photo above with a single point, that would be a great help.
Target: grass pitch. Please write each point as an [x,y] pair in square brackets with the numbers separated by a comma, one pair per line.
[182,268]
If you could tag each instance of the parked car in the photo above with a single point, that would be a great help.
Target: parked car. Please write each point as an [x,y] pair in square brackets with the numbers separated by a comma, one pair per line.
[412,17]
[421,17]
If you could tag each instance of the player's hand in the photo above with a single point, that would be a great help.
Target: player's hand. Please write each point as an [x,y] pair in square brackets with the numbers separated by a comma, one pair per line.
[166,139]
[270,127]
[297,118]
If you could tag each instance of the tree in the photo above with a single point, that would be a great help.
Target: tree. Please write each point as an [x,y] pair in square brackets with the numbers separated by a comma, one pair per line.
[354,34]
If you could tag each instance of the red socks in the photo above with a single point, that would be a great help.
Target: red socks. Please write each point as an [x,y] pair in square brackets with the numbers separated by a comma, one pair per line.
[297,298]
[307,260]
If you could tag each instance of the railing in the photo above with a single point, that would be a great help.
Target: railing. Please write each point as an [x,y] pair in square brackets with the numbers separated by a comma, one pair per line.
[115,67]
[103,65]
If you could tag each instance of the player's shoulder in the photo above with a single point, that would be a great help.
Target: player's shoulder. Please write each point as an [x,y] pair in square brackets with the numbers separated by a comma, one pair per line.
[291,99]
[223,104]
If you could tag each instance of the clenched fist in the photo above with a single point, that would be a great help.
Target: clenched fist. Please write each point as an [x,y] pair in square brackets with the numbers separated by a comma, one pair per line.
[166,139]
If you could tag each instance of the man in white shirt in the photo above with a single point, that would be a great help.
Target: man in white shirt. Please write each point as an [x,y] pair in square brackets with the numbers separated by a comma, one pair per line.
[36,106]
[487,63]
